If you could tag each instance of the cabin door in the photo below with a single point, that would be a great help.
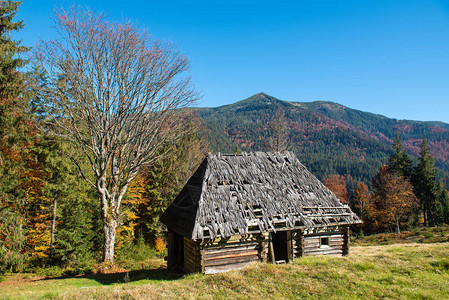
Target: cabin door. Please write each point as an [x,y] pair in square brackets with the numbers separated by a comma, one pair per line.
[282,246]
[175,251]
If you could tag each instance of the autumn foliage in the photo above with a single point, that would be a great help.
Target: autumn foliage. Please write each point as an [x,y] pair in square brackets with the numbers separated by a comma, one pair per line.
[337,184]
[393,199]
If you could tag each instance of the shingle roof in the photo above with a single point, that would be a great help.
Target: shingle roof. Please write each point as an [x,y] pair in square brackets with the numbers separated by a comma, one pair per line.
[253,192]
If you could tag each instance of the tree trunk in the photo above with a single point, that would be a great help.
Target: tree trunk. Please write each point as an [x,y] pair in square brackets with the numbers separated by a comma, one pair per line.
[109,229]
[53,227]
[398,230]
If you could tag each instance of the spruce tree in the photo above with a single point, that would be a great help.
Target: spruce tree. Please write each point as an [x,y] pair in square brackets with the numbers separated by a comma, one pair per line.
[75,234]
[424,184]
[13,132]
[399,162]
[443,203]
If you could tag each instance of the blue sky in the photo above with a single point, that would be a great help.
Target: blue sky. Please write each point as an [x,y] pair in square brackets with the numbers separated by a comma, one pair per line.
[388,57]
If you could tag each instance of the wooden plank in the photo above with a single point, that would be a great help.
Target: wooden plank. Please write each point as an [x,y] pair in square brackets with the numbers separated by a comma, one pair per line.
[190,254]
[322,249]
[231,245]
[311,241]
[189,246]
[226,261]
[328,233]
[336,240]
[190,243]
[209,256]
[230,249]
[190,249]
[336,243]
[188,260]
[311,245]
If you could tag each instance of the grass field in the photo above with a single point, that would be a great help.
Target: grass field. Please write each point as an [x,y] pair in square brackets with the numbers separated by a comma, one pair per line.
[414,270]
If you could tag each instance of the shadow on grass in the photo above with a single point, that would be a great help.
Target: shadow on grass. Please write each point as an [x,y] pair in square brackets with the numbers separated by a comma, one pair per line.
[160,274]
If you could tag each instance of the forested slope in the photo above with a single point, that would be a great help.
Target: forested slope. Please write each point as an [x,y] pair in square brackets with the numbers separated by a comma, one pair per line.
[328,138]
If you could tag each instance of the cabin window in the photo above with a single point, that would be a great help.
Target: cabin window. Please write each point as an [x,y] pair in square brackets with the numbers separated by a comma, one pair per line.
[324,242]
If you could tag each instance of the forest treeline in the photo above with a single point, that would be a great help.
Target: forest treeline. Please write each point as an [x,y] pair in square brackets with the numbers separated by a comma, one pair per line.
[50,215]
[327,137]
[400,196]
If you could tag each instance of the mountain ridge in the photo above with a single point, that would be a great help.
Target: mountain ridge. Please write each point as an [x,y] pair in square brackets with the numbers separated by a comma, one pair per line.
[326,136]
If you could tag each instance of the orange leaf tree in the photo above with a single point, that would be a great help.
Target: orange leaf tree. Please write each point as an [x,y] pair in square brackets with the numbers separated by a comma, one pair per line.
[337,184]
[362,201]
[393,199]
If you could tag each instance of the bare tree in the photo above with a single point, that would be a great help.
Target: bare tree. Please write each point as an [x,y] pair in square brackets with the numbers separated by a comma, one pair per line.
[115,93]
[278,129]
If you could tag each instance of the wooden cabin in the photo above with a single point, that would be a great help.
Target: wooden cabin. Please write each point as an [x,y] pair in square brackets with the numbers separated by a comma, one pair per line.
[261,206]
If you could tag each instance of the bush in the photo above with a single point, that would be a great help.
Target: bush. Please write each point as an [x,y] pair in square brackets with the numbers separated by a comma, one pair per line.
[428,234]
[53,271]
[443,264]
[138,251]
[160,245]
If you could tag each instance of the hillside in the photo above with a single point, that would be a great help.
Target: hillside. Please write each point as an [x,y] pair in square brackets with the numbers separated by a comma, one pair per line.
[415,271]
[327,137]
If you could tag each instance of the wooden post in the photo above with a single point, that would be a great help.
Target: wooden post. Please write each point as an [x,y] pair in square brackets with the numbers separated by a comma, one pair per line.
[289,247]
[300,240]
[171,251]
[201,253]
[346,234]
[272,259]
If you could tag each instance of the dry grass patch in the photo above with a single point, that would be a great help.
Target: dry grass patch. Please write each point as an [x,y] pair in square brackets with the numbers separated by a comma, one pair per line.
[369,272]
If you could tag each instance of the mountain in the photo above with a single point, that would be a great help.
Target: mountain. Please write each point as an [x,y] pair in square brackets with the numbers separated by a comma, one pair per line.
[327,137]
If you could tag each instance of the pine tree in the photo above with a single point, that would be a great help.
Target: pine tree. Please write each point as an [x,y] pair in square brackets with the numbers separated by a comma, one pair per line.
[73,236]
[424,184]
[399,161]
[13,135]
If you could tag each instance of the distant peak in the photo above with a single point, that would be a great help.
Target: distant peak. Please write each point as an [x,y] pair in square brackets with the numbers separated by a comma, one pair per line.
[263,96]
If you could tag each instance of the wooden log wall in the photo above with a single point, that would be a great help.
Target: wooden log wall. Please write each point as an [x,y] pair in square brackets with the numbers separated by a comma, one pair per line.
[298,243]
[193,256]
[312,244]
[234,253]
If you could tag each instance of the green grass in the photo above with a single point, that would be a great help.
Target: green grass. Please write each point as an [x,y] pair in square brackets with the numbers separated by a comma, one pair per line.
[438,234]
[415,270]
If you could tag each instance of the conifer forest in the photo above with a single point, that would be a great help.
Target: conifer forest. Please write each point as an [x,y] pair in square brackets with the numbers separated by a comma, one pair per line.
[101,129]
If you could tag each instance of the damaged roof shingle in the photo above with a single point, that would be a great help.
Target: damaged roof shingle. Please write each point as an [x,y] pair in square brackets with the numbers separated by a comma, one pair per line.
[248,192]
